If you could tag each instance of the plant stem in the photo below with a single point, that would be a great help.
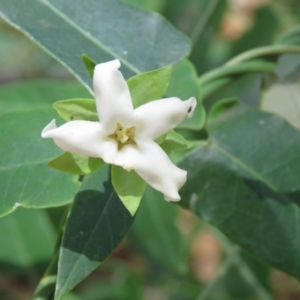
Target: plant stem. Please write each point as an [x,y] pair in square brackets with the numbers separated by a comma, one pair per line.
[46,287]
[204,21]
[262,51]
[254,66]
[217,78]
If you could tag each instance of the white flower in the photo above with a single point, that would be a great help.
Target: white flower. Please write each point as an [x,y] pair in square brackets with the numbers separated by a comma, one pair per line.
[125,136]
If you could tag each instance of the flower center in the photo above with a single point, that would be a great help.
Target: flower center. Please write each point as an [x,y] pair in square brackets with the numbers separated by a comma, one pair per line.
[123,135]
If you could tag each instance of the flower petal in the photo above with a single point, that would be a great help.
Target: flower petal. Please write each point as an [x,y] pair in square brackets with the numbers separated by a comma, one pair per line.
[158,117]
[82,137]
[154,166]
[112,94]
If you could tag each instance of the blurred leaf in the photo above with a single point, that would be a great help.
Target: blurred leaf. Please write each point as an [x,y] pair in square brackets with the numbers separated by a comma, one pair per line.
[246,182]
[72,296]
[261,34]
[121,285]
[149,86]
[34,94]
[290,37]
[25,178]
[281,95]
[129,186]
[97,223]
[27,239]
[240,276]
[155,231]
[154,5]
[76,164]
[77,109]
[103,30]
[184,85]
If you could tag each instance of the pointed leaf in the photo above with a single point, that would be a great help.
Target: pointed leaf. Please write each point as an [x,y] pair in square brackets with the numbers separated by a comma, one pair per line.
[25,178]
[246,182]
[97,223]
[149,86]
[129,186]
[103,30]
[77,109]
[89,64]
[174,141]
[184,84]
[75,163]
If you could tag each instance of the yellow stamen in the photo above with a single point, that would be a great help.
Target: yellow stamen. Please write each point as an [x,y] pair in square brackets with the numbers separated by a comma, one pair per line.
[123,135]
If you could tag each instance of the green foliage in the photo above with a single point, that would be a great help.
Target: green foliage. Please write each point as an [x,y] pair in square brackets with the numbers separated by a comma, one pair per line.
[251,198]
[76,164]
[174,141]
[129,186]
[184,85]
[34,94]
[77,109]
[149,86]
[23,155]
[97,223]
[27,239]
[155,232]
[84,34]
[242,161]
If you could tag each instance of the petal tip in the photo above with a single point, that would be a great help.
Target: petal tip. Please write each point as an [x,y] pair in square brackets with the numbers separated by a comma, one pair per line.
[192,105]
[172,199]
[47,130]
[113,64]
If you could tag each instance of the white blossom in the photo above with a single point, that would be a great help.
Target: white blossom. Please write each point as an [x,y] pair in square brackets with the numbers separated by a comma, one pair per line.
[125,136]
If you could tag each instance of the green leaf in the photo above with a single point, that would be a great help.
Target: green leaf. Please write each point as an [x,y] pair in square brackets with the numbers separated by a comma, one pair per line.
[129,186]
[156,233]
[149,86]
[75,163]
[27,239]
[77,109]
[174,141]
[246,182]
[89,64]
[34,94]
[122,283]
[184,85]
[103,30]
[97,223]
[25,178]
[281,95]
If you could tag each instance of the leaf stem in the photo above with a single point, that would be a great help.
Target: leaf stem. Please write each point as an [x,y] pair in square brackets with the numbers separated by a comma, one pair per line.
[262,51]
[217,78]
[235,70]
[46,287]
[204,21]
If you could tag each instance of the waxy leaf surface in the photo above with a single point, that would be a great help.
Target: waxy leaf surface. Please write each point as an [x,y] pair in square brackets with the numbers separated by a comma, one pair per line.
[246,182]
[97,223]
[26,180]
[102,29]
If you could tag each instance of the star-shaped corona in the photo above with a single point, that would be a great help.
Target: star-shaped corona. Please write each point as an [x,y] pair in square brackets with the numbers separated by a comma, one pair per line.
[125,136]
